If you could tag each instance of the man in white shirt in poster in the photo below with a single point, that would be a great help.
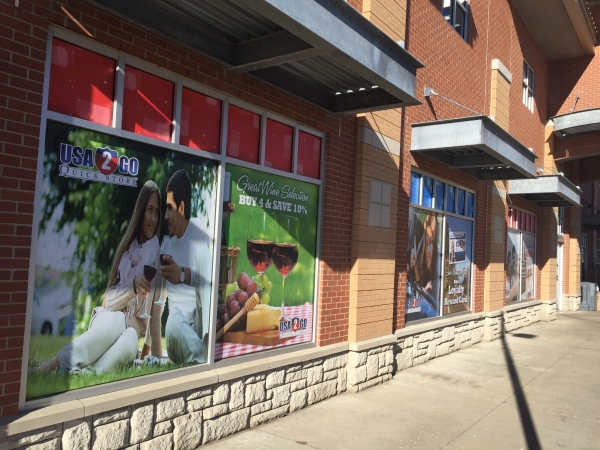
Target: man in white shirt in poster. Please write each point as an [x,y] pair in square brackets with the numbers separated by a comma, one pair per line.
[186,270]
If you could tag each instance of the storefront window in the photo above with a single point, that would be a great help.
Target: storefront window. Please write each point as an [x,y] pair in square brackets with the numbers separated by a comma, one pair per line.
[126,247]
[439,253]
[520,263]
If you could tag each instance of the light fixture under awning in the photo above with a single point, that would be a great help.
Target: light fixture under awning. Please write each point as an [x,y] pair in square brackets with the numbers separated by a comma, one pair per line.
[547,190]
[323,52]
[475,145]
[577,122]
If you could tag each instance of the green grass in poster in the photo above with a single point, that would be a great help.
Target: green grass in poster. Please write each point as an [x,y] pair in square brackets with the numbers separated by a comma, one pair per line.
[44,348]
[279,197]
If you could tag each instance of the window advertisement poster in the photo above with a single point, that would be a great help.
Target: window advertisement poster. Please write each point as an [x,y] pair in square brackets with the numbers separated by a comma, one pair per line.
[528,267]
[513,250]
[424,257]
[267,271]
[123,265]
[457,265]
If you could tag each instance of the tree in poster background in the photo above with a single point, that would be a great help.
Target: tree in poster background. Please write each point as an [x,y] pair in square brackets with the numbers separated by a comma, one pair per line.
[96,212]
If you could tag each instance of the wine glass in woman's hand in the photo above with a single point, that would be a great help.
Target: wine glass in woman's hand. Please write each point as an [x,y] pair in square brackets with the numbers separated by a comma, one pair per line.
[149,274]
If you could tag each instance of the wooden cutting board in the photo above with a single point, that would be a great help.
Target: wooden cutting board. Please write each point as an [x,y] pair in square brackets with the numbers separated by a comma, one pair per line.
[264,338]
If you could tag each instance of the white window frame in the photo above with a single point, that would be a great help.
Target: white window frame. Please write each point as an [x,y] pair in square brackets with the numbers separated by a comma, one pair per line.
[449,9]
[528,85]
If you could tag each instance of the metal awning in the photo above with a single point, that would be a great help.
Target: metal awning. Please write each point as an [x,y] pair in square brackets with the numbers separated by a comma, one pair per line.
[476,145]
[321,51]
[577,122]
[590,221]
[572,33]
[547,190]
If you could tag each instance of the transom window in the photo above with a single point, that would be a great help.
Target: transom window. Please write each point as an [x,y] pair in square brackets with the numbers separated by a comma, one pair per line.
[456,13]
[155,103]
[528,85]
[431,193]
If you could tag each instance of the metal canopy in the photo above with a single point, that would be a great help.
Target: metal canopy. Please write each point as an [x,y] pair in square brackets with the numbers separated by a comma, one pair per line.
[476,145]
[547,190]
[577,122]
[590,221]
[321,51]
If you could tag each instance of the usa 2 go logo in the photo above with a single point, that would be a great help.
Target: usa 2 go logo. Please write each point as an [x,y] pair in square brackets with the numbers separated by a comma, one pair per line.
[292,327]
[104,165]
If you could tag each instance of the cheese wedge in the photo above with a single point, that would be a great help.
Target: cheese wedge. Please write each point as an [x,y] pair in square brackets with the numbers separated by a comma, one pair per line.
[263,318]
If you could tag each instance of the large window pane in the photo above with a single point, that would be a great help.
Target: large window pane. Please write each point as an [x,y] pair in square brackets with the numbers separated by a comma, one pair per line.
[415,187]
[147,104]
[81,83]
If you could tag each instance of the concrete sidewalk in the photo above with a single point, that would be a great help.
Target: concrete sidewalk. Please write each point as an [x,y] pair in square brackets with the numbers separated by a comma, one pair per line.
[537,388]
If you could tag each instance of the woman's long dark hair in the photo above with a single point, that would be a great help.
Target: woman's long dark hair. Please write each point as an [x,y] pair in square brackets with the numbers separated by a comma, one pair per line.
[133,229]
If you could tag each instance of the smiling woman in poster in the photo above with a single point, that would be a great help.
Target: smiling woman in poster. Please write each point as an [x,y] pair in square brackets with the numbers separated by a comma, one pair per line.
[116,327]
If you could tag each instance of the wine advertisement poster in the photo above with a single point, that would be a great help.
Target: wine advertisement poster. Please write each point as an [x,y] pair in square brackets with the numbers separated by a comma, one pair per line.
[123,261]
[528,267]
[457,265]
[266,291]
[424,256]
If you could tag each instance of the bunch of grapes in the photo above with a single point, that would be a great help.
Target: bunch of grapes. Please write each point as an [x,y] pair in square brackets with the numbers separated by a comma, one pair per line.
[237,294]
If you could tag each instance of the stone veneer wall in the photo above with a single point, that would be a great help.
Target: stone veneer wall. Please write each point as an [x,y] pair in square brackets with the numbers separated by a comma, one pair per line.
[571,302]
[187,420]
[418,344]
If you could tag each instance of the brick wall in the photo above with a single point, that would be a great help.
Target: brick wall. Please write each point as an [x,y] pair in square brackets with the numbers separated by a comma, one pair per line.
[569,78]
[23,36]
[389,15]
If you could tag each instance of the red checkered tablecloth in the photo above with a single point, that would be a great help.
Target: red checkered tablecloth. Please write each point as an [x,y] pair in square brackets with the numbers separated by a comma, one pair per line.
[305,311]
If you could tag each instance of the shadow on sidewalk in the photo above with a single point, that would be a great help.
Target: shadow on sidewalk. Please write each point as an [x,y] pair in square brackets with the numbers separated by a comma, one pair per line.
[527,424]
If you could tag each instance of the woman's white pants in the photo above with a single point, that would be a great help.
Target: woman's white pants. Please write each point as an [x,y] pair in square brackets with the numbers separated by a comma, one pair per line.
[107,344]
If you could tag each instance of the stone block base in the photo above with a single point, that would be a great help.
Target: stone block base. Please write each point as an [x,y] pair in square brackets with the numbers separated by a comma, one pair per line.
[571,302]
[369,367]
